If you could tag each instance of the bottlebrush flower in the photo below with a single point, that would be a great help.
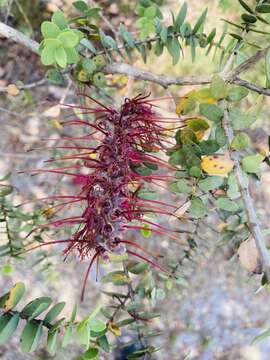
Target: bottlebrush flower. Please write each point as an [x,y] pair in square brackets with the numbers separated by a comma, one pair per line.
[109,183]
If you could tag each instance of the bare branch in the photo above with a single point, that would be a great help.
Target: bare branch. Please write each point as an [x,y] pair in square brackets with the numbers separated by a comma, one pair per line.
[248,63]
[163,80]
[30,86]
[251,86]
[18,37]
[253,222]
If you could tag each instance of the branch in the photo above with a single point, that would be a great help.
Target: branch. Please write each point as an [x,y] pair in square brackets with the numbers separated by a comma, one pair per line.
[253,222]
[163,80]
[251,86]
[248,63]
[131,71]
[18,37]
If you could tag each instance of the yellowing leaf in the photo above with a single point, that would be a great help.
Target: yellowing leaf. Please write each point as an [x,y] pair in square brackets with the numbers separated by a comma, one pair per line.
[15,295]
[204,96]
[53,111]
[186,103]
[217,165]
[13,90]
[114,329]
[117,258]
[48,211]
[55,124]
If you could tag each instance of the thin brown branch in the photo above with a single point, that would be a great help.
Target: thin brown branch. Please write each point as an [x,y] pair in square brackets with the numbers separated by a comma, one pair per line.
[247,64]
[251,86]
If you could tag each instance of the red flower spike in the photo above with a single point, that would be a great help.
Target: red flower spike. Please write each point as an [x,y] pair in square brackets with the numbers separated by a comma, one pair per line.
[126,137]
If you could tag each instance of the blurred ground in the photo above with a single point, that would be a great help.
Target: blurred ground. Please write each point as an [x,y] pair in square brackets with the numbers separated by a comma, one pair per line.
[218,314]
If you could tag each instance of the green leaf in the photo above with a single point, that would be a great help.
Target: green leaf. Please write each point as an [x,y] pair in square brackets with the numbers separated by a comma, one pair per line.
[210,183]
[104,343]
[211,36]
[54,312]
[68,39]
[252,163]
[174,49]
[51,43]
[49,29]
[68,336]
[246,6]
[241,120]
[263,8]
[208,147]
[80,6]
[8,325]
[55,76]
[59,19]
[224,203]
[164,35]
[52,341]
[197,124]
[30,337]
[61,56]
[83,333]
[211,112]
[91,353]
[72,55]
[233,188]
[236,93]
[89,65]
[197,208]
[181,16]
[88,45]
[150,12]
[218,87]
[107,41]
[15,295]
[117,278]
[240,141]
[47,56]
[93,12]
[5,190]
[200,22]
[36,307]
[74,313]
[97,325]
[138,268]
[183,187]
[220,136]
[250,19]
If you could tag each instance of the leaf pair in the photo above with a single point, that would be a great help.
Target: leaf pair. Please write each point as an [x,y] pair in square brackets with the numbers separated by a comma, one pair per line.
[59,43]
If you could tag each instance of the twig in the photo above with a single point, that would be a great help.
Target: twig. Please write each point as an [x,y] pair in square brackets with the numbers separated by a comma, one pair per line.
[253,221]
[163,80]
[30,86]
[107,22]
[247,64]
[252,86]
